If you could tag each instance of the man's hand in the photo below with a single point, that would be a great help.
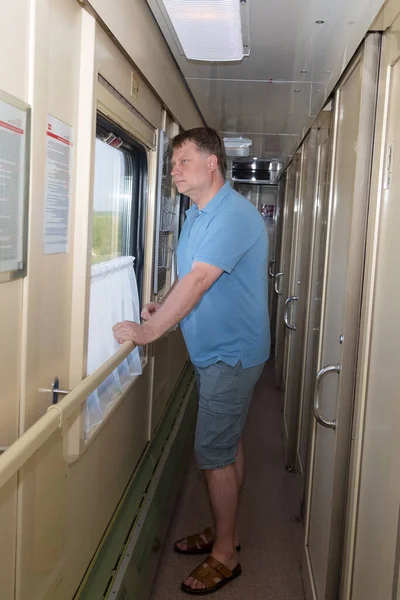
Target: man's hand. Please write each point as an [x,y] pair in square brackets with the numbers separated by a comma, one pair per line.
[183,297]
[150,310]
[127,331]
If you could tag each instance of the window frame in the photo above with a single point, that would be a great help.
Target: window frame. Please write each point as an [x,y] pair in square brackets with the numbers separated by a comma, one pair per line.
[130,146]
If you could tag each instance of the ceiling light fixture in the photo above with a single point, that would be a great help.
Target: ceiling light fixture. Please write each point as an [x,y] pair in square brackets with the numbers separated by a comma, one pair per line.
[209,30]
[296,91]
[237,146]
[304,71]
[320,22]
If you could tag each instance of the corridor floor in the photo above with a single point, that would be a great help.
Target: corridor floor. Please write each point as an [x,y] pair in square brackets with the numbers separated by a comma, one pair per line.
[271,535]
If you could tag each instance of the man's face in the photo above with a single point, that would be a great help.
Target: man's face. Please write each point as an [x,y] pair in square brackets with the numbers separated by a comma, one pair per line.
[192,169]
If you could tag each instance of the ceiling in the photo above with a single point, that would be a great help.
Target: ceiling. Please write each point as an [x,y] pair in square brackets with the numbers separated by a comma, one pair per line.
[273,95]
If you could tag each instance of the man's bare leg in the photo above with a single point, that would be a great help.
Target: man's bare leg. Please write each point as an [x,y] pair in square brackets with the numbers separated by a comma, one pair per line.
[240,471]
[224,491]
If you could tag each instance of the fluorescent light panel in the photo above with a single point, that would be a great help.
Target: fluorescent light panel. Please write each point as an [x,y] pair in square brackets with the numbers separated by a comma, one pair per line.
[208,30]
[237,146]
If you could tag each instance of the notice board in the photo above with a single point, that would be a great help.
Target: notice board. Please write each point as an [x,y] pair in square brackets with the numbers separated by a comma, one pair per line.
[14,186]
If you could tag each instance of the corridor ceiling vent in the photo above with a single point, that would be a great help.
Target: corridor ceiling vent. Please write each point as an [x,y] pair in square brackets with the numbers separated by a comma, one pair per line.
[237,146]
[208,30]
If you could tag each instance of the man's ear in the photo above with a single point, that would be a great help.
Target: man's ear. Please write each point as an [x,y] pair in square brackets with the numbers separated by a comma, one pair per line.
[212,162]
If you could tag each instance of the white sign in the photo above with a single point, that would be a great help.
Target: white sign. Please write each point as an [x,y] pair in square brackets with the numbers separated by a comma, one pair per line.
[58,186]
[12,186]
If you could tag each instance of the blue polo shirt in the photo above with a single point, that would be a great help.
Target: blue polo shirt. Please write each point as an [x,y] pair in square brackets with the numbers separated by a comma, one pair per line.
[231,322]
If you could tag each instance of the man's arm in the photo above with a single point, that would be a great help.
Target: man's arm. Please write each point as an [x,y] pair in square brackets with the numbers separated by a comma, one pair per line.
[176,306]
[173,286]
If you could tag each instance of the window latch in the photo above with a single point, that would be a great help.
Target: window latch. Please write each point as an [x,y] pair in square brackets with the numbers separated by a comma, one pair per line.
[55,390]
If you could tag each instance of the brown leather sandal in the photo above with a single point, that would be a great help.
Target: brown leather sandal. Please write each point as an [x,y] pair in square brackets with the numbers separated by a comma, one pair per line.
[196,543]
[213,574]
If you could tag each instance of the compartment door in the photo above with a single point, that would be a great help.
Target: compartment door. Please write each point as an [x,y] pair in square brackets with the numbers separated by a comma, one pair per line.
[376,567]
[296,303]
[355,102]
[282,269]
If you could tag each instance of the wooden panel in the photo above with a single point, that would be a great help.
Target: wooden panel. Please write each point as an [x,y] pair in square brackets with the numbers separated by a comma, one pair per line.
[10,335]
[161,379]
[98,479]
[108,57]
[14,42]
[42,521]
[134,27]
[374,532]
[170,357]
[14,79]
[47,311]
[8,517]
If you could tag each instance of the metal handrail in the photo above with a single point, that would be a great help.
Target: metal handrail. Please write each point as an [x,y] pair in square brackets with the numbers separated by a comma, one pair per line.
[277,278]
[18,453]
[72,401]
[320,375]
[286,317]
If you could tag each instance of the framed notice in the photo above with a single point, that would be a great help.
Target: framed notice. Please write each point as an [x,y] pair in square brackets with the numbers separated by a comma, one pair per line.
[58,186]
[14,186]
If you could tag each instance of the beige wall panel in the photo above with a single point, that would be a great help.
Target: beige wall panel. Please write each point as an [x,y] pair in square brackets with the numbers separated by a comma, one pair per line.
[81,233]
[178,356]
[374,509]
[14,79]
[170,357]
[10,336]
[8,504]
[386,16]
[116,69]
[14,48]
[97,480]
[160,379]
[47,308]
[42,521]
[132,23]
[64,33]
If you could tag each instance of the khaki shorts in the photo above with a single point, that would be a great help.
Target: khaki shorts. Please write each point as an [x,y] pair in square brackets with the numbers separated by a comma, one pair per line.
[224,399]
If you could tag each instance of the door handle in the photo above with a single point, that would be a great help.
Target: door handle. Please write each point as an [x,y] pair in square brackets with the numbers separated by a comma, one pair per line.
[277,278]
[285,318]
[270,272]
[320,375]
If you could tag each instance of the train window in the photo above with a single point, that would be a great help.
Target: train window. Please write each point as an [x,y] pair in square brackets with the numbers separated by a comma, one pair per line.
[117,259]
[112,203]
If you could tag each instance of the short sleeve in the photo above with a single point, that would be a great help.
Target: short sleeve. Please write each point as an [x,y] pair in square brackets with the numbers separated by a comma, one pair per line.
[227,239]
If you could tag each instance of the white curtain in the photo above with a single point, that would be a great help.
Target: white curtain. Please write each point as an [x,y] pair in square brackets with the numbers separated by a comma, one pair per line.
[113,298]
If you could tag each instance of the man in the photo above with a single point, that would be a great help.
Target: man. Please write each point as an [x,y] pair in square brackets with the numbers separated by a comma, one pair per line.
[221,302]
